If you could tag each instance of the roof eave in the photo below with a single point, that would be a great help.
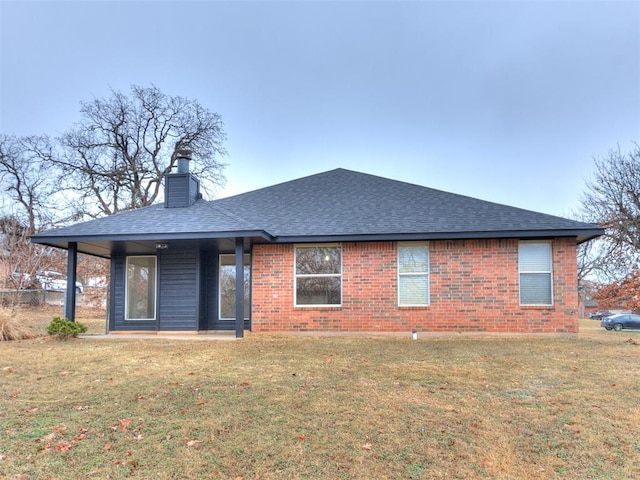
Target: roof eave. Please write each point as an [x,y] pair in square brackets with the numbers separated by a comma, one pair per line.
[63,242]
[581,235]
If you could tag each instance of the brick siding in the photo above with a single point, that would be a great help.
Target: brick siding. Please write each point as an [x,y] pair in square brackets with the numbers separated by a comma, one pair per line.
[474,288]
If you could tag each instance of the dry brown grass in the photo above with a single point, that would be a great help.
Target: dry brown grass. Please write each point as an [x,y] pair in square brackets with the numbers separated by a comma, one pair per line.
[273,407]
[24,322]
[16,327]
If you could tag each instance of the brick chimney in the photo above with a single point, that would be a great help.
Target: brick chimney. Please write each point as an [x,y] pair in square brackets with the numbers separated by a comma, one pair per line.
[181,189]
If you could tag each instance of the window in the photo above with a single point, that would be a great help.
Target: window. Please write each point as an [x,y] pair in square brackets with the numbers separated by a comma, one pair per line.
[413,275]
[534,259]
[228,286]
[140,288]
[318,276]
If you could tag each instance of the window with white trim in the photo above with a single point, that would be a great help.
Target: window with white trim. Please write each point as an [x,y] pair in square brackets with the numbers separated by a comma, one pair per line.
[413,274]
[318,276]
[536,278]
[140,288]
[227,288]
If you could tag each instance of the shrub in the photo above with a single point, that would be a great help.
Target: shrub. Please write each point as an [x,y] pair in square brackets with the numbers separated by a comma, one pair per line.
[65,328]
[13,327]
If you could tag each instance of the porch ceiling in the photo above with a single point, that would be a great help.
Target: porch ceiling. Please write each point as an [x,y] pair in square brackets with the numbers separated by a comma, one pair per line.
[105,248]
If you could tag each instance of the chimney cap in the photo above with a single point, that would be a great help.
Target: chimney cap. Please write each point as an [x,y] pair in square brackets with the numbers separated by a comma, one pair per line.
[183,153]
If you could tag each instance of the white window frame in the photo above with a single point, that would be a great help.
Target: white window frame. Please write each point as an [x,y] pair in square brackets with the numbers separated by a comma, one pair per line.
[548,272]
[126,289]
[320,275]
[426,273]
[246,262]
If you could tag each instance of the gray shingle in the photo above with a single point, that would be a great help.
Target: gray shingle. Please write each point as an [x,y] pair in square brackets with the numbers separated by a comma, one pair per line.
[344,202]
[333,204]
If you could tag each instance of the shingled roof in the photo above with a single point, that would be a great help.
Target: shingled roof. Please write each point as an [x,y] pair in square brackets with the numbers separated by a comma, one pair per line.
[338,205]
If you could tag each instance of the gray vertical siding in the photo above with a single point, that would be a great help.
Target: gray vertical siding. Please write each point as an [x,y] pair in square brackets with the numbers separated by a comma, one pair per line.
[116,293]
[182,190]
[187,293]
[178,290]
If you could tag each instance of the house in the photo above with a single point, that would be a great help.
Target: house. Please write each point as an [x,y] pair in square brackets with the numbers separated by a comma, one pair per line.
[338,251]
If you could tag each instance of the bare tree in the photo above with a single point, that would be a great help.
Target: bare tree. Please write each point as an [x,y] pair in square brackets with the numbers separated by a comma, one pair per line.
[31,202]
[612,199]
[118,154]
[21,259]
[29,179]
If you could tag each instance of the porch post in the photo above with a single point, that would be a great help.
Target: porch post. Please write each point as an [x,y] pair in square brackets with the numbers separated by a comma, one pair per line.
[239,287]
[70,295]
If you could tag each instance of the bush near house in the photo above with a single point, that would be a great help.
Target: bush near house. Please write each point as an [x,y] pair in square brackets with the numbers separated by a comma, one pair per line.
[65,328]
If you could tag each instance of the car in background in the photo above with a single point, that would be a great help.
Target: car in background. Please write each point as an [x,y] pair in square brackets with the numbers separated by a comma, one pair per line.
[55,281]
[621,321]
[599,315]
[21,281]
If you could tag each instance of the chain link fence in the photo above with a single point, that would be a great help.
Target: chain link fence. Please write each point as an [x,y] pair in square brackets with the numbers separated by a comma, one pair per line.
[95,297]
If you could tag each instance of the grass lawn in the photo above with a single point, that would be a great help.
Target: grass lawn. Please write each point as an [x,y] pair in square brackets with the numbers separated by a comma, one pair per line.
[269,407]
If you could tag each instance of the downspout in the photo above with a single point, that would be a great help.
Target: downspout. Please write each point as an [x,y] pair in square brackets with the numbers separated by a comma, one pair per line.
[70,296]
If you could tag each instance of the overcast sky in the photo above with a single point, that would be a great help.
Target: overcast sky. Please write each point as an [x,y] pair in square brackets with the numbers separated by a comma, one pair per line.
[500,100]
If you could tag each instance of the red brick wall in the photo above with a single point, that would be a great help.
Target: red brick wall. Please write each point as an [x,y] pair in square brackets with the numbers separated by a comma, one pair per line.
[474,288]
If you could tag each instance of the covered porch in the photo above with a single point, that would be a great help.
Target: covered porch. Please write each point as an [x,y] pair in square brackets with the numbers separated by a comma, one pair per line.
[170,285]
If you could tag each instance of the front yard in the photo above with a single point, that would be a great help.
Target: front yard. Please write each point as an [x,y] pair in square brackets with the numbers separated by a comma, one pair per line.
[269,407]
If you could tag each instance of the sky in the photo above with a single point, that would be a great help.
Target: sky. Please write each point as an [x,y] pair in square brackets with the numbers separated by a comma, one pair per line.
[506,101]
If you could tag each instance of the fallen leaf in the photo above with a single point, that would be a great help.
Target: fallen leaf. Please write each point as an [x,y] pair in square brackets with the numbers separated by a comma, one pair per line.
[303,438]
[8,370]
[124,423]
[63,446]
[572,429]
[107,447]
